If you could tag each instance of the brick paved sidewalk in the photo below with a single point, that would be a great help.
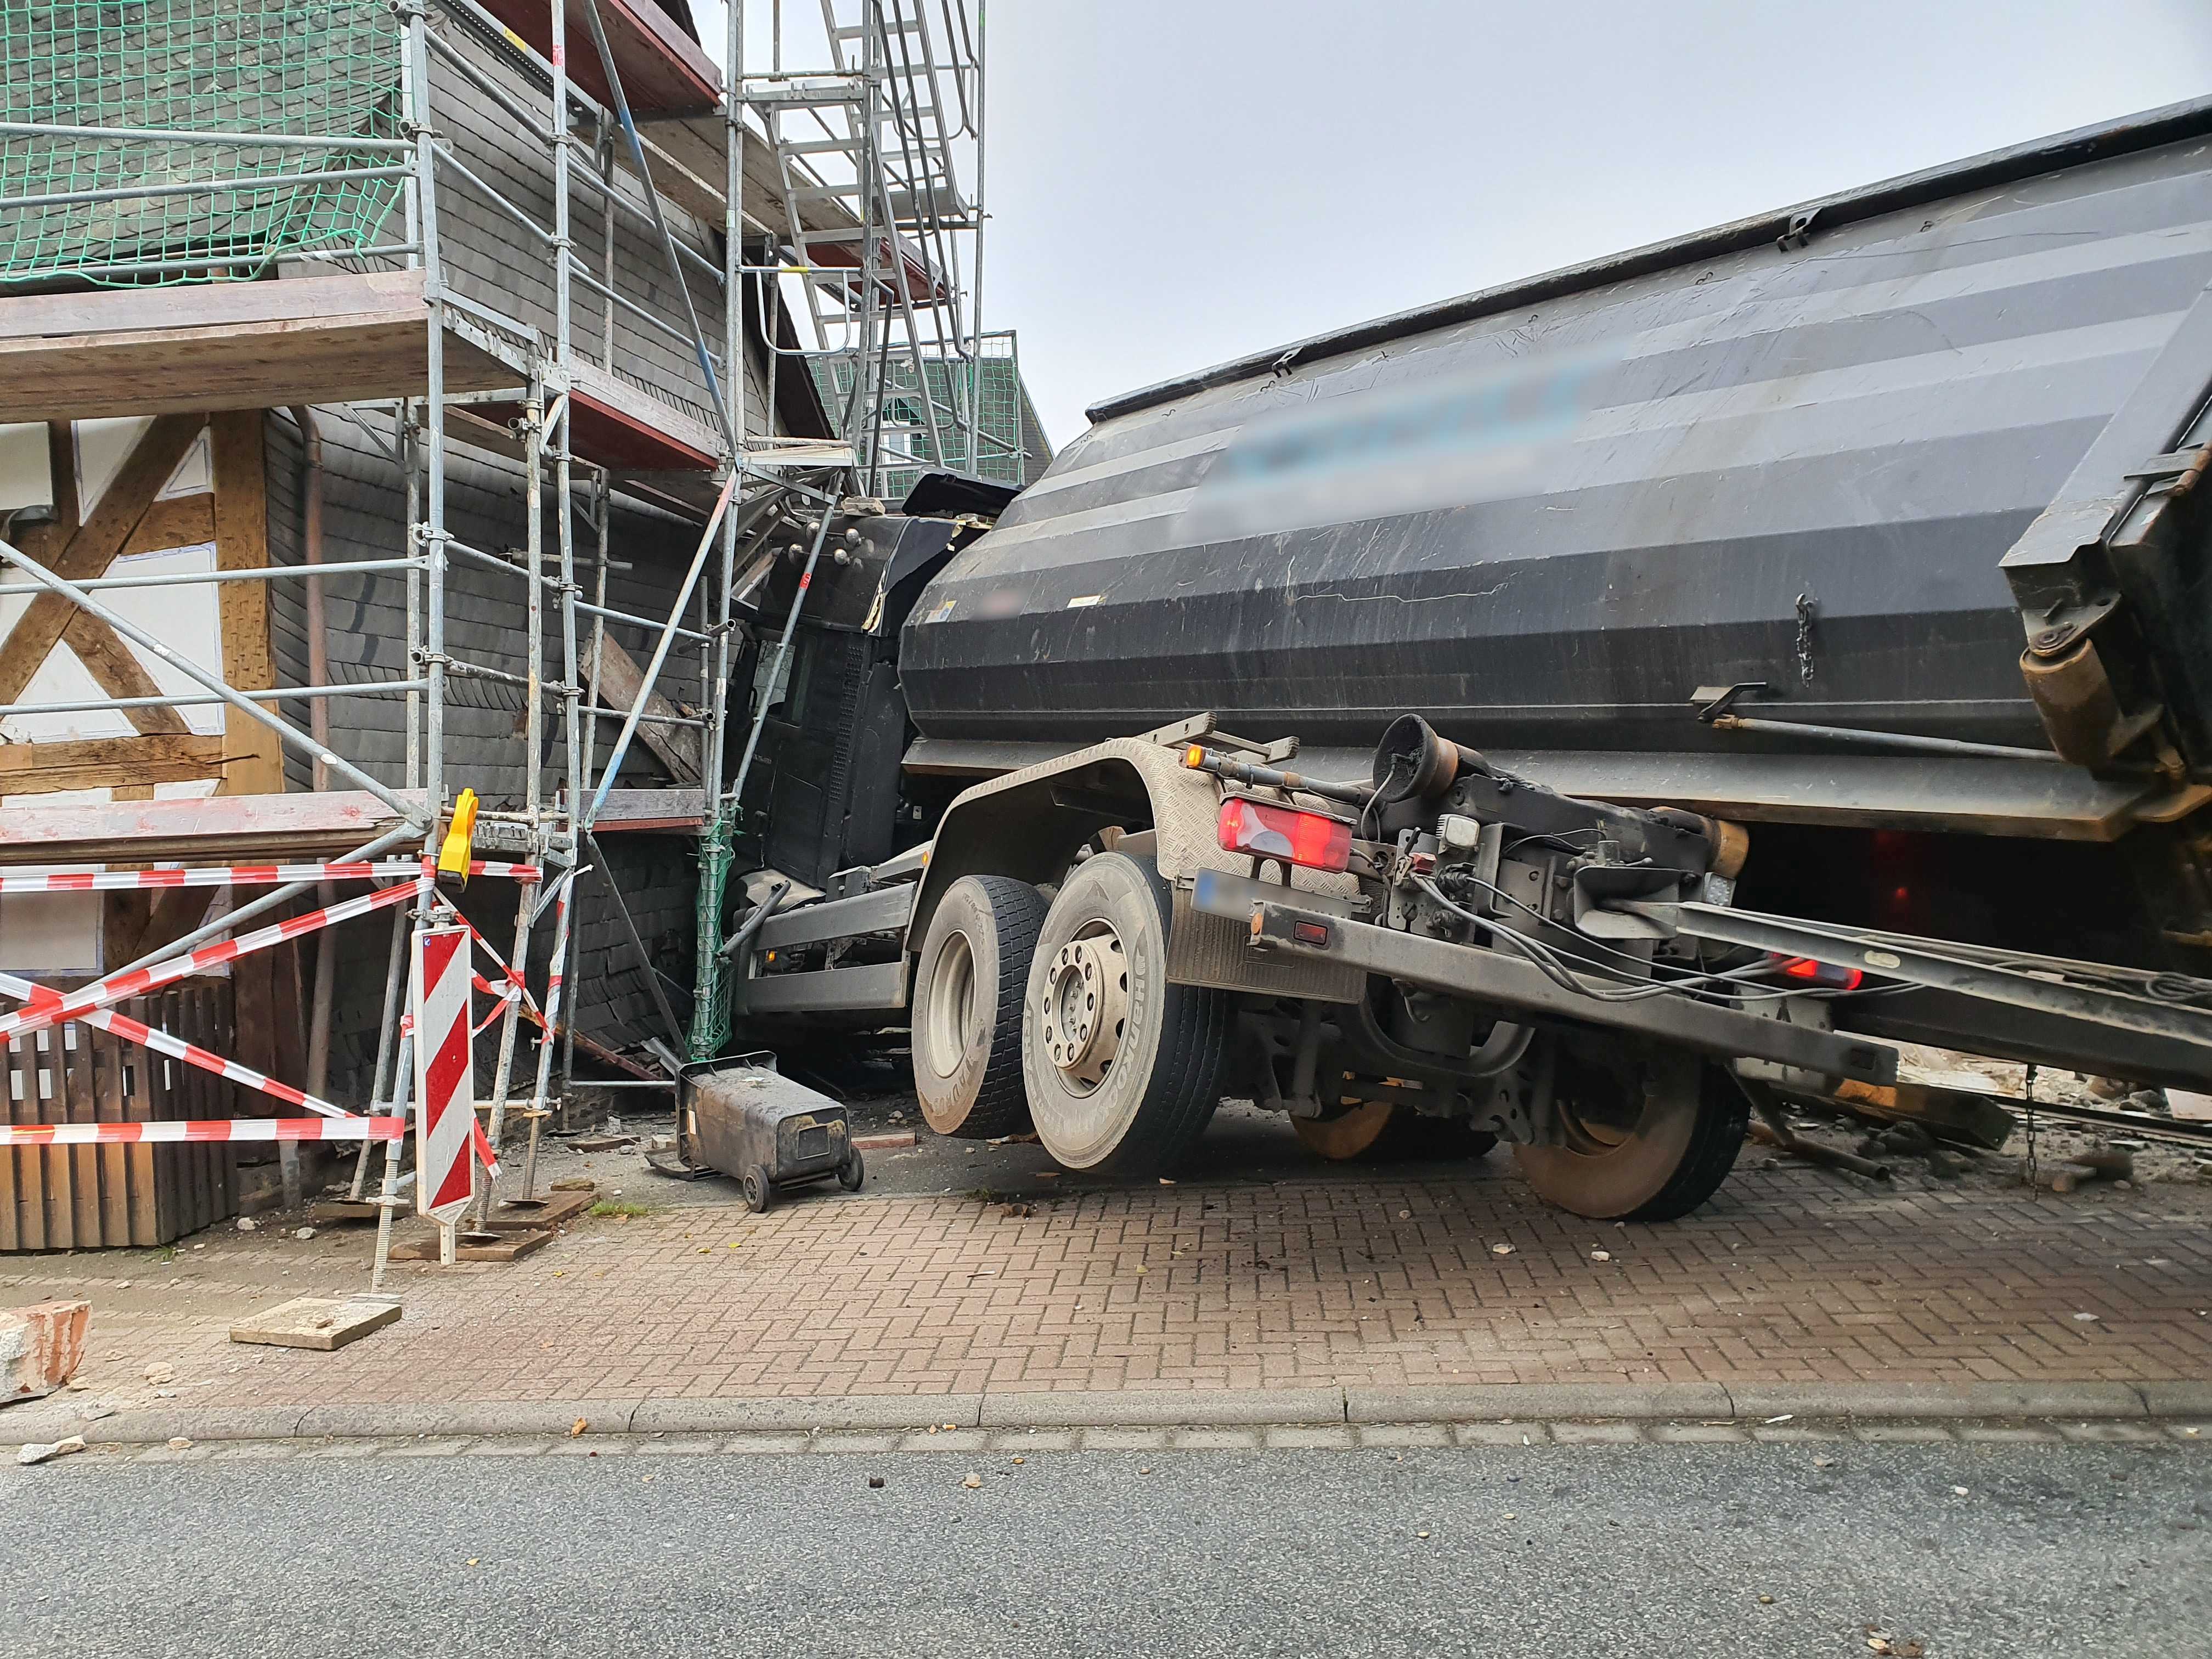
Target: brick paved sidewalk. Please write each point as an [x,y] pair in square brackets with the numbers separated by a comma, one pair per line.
[1790,1277]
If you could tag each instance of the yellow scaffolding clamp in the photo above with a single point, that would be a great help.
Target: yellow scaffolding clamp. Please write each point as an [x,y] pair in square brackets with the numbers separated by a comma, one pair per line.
[454,853]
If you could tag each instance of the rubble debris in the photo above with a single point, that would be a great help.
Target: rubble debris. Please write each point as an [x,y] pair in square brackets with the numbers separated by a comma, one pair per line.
[41,1347]
[2097,1164]
[46,1451]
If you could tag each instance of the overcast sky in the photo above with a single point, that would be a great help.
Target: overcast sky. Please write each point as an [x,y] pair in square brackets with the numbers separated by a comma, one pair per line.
[1175,182]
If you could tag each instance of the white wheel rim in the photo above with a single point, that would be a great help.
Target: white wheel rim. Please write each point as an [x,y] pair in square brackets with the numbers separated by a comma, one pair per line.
[1084,1009]
[951,1007]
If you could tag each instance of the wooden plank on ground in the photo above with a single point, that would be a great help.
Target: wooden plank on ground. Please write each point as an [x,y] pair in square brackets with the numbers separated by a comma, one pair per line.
[315,1321]
[254,760]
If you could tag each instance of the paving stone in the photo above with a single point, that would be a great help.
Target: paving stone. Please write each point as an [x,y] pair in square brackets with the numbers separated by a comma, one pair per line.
[785,1441]
[946,1440]
[1698,1434]
[1501,1434]
[669,1445]
[1021,1441]
[1214,1439]
[2000,1434]
[1910,1434]
[854,1442]
[1797,1434]
[1396,1435]
[1597,1434]
[1123,1439]
[928,1308]
[1320,1438]
[436,1445]
[2126,1434]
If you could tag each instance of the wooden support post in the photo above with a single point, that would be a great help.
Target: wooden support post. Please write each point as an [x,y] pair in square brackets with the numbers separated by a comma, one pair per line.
[254,763]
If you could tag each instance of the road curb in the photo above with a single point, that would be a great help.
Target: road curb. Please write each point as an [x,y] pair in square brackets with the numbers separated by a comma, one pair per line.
[1527,1402]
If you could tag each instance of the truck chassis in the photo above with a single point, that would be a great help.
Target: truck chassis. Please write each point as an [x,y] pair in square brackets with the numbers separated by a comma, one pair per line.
[1105,945]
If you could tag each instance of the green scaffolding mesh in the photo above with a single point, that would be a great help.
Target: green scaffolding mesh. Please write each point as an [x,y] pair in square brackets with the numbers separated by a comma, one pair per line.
[711,997]
[260,68]
[1011,444]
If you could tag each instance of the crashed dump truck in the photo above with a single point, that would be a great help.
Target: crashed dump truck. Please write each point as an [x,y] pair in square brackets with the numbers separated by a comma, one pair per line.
[1578,713]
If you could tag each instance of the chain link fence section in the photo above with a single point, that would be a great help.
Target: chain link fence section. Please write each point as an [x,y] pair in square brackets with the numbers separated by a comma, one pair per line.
[150,208]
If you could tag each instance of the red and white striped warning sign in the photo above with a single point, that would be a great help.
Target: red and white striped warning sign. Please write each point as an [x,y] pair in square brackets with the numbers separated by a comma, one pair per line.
[220,1128]
[234,875]
[445,1080]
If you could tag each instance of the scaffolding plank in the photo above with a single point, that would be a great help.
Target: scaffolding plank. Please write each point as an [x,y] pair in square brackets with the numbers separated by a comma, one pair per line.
[663,70]
[226,345]
[674,811]
[612,423]
[696,149]
[230,828]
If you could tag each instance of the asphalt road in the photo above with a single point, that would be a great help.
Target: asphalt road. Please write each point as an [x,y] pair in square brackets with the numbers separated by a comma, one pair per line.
[1614,1551]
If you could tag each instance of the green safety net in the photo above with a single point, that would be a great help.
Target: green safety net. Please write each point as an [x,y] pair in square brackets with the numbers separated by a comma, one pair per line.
[298,69]
[711,998]
[993,384]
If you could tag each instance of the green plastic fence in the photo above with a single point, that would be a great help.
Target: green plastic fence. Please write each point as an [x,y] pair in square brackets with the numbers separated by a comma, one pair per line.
[997,389]
[262,68]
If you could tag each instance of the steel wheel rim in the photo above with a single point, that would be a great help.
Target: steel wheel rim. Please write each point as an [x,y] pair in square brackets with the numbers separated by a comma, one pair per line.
[951,1006]
[1084,1009]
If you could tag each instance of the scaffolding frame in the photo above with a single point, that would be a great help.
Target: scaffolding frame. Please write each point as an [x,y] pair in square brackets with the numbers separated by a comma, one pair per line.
[895,89]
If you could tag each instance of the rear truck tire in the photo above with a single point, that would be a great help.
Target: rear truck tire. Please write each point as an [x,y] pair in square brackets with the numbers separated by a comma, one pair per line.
[1376,1130]
[966,1019]
[1646,1142]
[1124,1069]
[851,1172]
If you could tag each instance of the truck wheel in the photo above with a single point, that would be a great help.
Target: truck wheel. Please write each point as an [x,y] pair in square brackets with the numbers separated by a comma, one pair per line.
[1647,1143]
[967,1014]
[1123,1068]
[1379,1129]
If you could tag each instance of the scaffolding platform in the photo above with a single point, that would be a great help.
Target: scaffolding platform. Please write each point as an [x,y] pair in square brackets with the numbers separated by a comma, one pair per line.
[614,424]
[231,345]
[223,829]
[663,70]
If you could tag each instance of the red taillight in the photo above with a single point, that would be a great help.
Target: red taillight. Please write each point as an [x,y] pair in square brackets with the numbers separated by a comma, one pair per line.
[1810,972]
[1284,832]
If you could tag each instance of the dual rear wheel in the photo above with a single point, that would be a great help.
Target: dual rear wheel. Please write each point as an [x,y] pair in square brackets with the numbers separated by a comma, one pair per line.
[1061,1015]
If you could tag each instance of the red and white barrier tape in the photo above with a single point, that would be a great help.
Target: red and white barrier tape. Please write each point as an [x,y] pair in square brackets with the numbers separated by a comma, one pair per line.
[204,1129]
[77,1004]
[147,1036]
[235,875]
